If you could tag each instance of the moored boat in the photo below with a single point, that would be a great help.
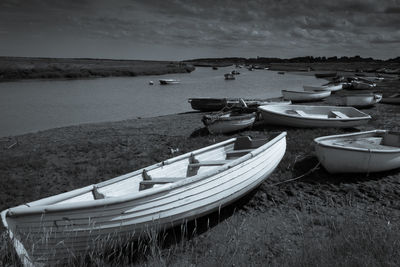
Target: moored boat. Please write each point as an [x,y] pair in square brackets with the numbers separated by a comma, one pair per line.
[332,87]
[361,100]
[359,85]
[360,152]
[304,96]
[229,76]
[156,197]
[169,81]
[228,122]
[313,116]
[217,104]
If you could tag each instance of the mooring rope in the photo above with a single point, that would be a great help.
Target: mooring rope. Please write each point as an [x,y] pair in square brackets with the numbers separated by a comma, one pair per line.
[298,177]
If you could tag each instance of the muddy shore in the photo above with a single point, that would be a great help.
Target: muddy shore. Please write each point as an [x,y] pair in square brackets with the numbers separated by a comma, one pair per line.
[270,226]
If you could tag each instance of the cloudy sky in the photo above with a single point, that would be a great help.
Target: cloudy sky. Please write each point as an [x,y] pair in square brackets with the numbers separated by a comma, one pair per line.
[185,29]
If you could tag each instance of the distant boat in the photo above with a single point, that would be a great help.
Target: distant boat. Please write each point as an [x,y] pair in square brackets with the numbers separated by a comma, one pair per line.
[332,88]
[393,99]
[359,85]
[235,72]
[281,72]
[169,81]
[151,82]
[228,122]
[214,68]
[325,75]
[53,230]
[360,152]
[229,76]
[305,96]
[361,100]
[217,104]
[313,116]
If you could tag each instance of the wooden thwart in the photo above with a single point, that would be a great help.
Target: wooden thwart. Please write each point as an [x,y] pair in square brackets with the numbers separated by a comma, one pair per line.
[339,114]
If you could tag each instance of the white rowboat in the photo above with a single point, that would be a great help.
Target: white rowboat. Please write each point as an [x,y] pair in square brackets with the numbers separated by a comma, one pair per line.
[159,196]
[304,96]
[361,152]
[228,122]
[361,100]
[313,116]
[332,88]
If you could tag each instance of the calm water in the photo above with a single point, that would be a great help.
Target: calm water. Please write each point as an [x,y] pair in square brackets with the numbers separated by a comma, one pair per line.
[29,106]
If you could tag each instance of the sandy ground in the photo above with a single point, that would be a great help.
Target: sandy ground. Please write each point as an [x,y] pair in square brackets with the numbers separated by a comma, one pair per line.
[41,164]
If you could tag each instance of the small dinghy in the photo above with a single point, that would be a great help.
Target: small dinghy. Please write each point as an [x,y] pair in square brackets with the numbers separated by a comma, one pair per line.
[361,100]
[304,96]
[325,75]
[169,81]
[361,152]
[217,104]
[313,116]
[332,87]
[393,99]
[359,85]
[228,122]
[57,228]
[229,76]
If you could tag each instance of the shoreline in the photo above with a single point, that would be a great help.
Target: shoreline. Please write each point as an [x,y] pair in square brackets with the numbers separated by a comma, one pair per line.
[275,219]
[19,68]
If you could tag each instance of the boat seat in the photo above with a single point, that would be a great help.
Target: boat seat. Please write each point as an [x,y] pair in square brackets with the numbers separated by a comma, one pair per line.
[301,113]
[96,194]
[237,153]
[339,114]
[146,184]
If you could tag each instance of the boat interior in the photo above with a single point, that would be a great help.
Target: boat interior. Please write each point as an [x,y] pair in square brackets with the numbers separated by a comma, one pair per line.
[377,141]
[169,171]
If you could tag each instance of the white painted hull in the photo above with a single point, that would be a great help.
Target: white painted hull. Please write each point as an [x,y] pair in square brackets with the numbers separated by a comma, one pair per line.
[51,229]
[342,153]
[332,88]
[312,116]
[233,124]
[361,100]
[303,96]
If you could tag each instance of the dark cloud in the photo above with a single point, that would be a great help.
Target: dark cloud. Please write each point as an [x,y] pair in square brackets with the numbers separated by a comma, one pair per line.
[263,27]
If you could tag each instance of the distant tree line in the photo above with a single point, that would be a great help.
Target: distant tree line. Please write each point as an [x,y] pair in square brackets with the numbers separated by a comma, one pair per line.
[306,59]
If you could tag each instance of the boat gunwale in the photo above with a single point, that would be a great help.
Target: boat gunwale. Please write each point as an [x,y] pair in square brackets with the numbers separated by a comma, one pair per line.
[318,142]
[320,92]
[366,117]
[50,208]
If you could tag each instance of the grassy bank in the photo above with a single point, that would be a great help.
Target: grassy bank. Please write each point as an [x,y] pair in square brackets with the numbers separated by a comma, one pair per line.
[15,68]
[318,220]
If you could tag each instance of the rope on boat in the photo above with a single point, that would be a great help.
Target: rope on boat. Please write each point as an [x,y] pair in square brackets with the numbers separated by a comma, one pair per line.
[298,177]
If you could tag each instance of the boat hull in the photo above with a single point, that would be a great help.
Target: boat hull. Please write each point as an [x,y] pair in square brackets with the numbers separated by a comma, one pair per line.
[332,88]
[315,116]
[50,234]
[306,96]
[340,159]
[232,124]
[361,100]
[217,104]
